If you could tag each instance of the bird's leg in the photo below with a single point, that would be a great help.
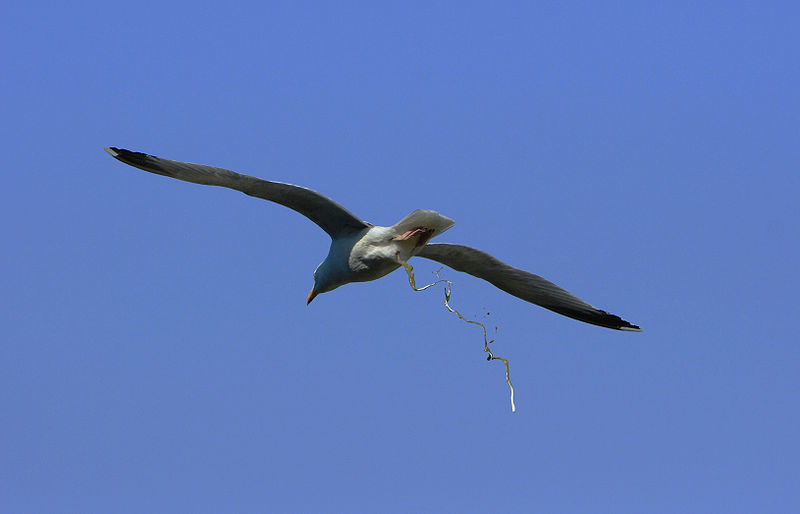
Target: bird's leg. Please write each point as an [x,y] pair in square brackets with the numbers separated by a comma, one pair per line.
[408,234]
[424,234]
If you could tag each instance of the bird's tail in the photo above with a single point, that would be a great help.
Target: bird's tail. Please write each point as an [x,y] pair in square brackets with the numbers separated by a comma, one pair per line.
[423,218]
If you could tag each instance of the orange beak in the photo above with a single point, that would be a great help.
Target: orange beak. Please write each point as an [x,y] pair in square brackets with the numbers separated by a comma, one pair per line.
[311,296]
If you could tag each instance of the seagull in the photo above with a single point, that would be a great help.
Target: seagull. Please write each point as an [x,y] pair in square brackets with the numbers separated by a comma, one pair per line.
[361,251]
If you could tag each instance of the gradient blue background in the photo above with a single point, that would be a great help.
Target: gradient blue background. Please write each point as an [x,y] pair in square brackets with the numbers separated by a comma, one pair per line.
[157,352]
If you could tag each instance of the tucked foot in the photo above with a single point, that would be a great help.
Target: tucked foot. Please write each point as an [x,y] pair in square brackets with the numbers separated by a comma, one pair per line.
[424,234]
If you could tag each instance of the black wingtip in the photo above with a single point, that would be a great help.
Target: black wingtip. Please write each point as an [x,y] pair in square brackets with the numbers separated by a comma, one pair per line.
[126,156]
[614,321]
[596,317]
[139,160]
[630,327]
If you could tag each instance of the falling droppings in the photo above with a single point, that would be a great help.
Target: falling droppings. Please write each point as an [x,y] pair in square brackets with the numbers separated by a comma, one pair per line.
[447,290]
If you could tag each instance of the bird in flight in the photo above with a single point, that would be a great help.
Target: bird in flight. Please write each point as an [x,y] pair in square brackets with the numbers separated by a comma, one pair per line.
[361,251]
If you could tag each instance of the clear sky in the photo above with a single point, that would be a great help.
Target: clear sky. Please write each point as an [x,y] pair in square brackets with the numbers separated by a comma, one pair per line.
[157,354]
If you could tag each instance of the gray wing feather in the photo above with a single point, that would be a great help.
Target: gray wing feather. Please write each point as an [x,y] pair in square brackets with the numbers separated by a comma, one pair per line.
[329,215]
[522,284]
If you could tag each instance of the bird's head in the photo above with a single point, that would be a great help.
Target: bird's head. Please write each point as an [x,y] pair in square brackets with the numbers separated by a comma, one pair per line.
[325,280]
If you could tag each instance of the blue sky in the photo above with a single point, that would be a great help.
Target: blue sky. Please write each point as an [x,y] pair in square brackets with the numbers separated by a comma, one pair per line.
[158,355]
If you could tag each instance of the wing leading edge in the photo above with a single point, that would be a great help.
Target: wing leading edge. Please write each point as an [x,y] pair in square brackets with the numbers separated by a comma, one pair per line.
[522,284]
[329,215]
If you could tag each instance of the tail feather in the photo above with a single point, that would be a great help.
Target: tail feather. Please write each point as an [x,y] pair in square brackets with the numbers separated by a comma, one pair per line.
[423,218]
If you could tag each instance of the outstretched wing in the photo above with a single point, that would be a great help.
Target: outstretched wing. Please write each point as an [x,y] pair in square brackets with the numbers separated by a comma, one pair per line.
[329,215]
[527,286]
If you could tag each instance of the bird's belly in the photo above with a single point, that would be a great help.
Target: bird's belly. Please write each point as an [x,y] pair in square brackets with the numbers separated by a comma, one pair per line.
[374,270]
[378,254]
